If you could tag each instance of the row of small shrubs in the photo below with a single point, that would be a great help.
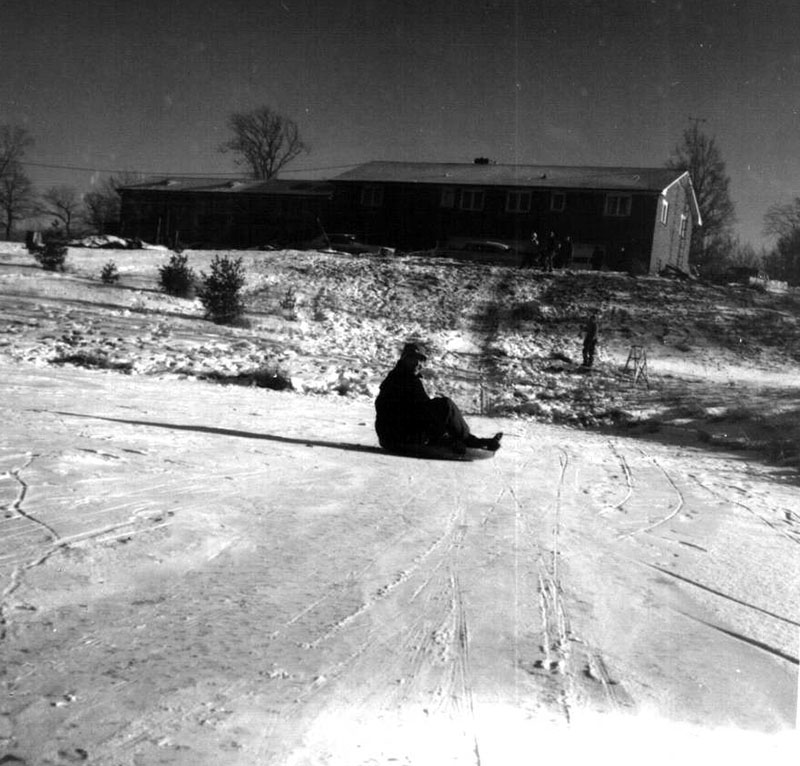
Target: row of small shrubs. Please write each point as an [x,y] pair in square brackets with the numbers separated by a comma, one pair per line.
[52,255]
[219,291]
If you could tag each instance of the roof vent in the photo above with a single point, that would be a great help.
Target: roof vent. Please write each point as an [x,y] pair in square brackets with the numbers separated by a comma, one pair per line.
[543,176]
[481,160]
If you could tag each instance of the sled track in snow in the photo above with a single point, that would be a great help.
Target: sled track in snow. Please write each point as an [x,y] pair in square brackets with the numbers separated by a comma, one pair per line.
[792,536]
[628,481]
[555,633]
[673,511]
[449,539]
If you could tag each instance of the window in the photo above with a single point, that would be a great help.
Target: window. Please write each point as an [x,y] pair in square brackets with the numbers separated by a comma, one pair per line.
[664,211]
[618,204]
[518,202]
[448,198]
[472,199]
[684,221]
[558,202]
[372,196]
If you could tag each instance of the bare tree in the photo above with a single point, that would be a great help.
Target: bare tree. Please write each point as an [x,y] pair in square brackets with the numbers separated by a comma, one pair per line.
[263,141]
[103,202]
[701,156]
[17,198]
[65,204]
[14,142]
[783,261]
[781,220]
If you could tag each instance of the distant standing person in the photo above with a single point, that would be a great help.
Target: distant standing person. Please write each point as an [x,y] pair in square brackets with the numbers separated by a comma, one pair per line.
[566,253]
[550,251]
[591,329]
[532,254]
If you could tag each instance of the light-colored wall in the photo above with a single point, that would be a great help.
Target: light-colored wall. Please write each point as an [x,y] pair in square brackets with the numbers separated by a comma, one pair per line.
[669,247]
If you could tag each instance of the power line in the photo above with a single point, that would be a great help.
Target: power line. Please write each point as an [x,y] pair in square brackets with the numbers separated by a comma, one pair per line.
[80,169]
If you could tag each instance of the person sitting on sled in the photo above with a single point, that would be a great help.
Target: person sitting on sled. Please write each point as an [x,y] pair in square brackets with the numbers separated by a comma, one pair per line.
[407,417]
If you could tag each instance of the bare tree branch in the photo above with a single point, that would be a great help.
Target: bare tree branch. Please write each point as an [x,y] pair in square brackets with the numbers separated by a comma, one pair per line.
[781,220]
[263,142]
[17,198]
[700,155]
[65,204]
[14,142]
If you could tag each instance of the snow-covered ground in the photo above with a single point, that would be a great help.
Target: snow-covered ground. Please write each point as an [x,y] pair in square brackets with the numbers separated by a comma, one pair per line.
[196,573]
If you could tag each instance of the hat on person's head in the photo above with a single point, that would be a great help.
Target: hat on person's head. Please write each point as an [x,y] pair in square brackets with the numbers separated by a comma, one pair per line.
[413,349]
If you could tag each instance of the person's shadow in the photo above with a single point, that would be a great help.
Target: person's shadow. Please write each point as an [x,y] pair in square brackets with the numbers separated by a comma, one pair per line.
[232,432]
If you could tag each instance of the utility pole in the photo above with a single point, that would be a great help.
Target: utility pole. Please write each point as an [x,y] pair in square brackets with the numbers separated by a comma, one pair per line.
[695,122]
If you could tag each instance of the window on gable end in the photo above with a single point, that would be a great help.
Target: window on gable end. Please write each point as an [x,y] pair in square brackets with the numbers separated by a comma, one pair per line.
[664,210]
[684,221]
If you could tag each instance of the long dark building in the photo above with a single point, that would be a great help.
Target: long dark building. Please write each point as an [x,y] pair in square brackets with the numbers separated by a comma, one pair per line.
[637,217]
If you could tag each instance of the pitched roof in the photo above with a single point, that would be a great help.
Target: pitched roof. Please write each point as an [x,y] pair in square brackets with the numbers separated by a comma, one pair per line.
[234,186]
[542,176]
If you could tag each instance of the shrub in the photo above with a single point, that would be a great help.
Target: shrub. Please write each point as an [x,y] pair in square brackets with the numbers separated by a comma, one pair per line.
[52,256]
[176,278]
[324,304]
[267,376]
[92,359]
[109,273]
[220,293]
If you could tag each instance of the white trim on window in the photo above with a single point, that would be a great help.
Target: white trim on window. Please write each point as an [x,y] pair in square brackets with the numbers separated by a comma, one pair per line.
[664,216]
[558,202]
[471,199]
[372,196]
[518,202]
[618,205]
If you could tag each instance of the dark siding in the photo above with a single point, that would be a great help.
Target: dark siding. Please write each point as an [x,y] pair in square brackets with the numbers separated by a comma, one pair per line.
[411,217]
[225,220]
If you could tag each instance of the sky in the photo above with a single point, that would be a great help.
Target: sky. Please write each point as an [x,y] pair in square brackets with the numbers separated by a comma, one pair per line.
[110,86]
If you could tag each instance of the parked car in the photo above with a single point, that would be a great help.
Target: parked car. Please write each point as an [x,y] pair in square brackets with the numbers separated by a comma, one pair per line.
[347,243]
[484,250]
[486,246]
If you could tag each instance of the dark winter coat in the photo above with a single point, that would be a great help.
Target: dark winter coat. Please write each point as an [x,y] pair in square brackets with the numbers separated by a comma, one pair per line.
[402,412]
[592,329]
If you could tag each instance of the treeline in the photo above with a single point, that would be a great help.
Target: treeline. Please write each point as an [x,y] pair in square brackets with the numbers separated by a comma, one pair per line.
[69,213]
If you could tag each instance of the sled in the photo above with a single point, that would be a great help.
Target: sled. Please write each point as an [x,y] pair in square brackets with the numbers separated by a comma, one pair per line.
[438,452]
